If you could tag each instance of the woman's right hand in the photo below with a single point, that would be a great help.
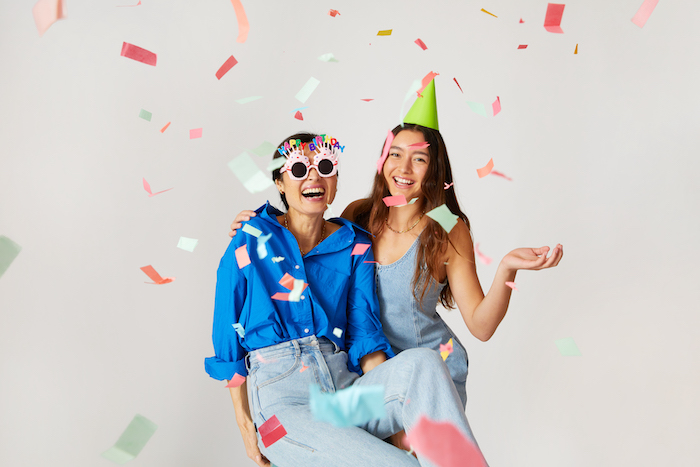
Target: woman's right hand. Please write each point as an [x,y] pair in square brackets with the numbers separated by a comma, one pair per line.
[250,439]
[237,223]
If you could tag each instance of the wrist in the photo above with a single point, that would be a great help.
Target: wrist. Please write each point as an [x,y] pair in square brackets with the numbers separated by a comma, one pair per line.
[506,271]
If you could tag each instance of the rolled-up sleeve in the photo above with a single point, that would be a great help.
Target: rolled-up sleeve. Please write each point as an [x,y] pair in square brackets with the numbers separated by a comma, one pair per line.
[229,357]
[364,332]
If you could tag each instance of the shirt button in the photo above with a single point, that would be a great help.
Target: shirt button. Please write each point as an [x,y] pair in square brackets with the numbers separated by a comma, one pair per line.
[296,267]
[302,297]
[306,330]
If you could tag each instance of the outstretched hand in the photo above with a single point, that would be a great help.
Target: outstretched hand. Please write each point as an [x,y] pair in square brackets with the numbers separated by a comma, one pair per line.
[242,216]
[533,258]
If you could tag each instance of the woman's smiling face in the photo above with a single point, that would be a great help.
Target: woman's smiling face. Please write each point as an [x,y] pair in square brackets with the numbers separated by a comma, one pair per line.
[310,195]
[406,166]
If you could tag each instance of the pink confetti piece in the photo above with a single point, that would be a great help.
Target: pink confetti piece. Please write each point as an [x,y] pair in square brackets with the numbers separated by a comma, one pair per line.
[360,249]
[385,151]
[47,12]
[496,106]
[448,185]
[367,100]
[139,54]
[371,262]
[421,145]
[271,431]
[421,44]
[640,18]
[147,187]
[443,444]
[162,130]
[485,170]
[242,257]
[298,115]
[398,200]
[425,81]
[521,21]
[303,367]
[511,285]
[236,381]
[243,25]
[287,281]
[522,46]
[460,87]
[552,20]
[139,3]
[228,64]
[482,257]
[155,277]
[195,133]
[446,347]
[501,174]
[333,13]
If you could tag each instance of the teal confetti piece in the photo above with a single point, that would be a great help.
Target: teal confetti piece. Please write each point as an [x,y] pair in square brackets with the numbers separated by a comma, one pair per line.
[477,108]
[265,149]
[132,441]
[443,216]
[348,407]
[250,230]
[308,89]
[328,58]
[8,252]
[567,347]
[146,115]
[187,244]
[262,249]
[239,329]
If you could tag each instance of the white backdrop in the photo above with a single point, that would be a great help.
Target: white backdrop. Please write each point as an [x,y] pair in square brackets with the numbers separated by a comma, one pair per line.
[601,146]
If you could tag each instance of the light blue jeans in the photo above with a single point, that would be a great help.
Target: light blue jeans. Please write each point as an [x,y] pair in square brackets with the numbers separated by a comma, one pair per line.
[416,383]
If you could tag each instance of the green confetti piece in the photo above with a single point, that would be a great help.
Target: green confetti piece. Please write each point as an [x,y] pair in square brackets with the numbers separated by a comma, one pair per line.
[245,100]
[276,164]
[146,115]
[328,58]
[252,178]
[477,108]
[132,441]
[306,91]
[265,149]
[187,244]
[249,229]
[8,252]
[443,216]
[567,347]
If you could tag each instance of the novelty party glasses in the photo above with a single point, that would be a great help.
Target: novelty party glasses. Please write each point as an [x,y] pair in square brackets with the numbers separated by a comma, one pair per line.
[325,158]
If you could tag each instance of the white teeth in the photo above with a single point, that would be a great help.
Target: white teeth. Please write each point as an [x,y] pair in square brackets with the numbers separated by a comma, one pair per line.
[313,190]
[403,181]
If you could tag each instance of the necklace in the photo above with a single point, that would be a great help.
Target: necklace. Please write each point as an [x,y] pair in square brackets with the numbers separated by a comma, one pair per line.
[323,233]
[386,221]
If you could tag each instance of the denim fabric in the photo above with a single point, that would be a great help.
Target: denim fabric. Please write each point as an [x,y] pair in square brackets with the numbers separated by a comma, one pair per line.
[416,382]
[408,325]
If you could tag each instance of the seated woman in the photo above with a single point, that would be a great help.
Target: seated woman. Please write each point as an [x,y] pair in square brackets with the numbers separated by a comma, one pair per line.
[296,306]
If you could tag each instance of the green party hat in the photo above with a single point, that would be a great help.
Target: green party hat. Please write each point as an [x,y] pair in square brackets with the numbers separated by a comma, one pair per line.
[424,110]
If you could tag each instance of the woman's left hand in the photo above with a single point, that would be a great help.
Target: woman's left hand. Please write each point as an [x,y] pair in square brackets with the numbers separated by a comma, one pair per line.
[533,258]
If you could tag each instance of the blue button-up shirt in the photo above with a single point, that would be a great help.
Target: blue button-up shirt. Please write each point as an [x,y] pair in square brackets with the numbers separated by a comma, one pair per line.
[341,295]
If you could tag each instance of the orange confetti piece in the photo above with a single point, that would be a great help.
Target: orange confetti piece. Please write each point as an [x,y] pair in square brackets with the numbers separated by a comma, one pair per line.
[155,277]
[243,25]
[576,50]
[162,130]
[333,13]
[485,170]
[489,13]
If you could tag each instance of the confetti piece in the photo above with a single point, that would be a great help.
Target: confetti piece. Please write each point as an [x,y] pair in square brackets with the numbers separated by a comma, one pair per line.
[295,294]
[415,86]
[443,216]
[522,46]
[413,201]
[329,211]
[446,349]
[567,347]
[501,174]
[421,44]
[385,151]
[485,170]
[277,259]
[367,100]
[360,249]
[245,100]
[147,187]
[512,285]
[482,257]
[337,332]
[47,12]
[250,230]
[236,381]
[261,248]
[306,91]
[576,50]
[289,283]
[552,19]
[371,262]
[489,13]
[426,81]
[271,431]
[333,13]
[385,32]
[137,53]
[132,440]
[640,18]
[196,133]
[276,163]
[239,329]
[162,130]
[252,178]
[328,58]
[299,108]
[146,115]
[9,250]
[228,64]
[352,406]
[242,257]
[448,185]
[265,149]
[496,106]
[243,26]
[155,277]
[139,3]
[398,200]
[422,145]
[477,108]
[521,21]
[303,367]
[460,87]
[443,444]
[298,115]
[187,244]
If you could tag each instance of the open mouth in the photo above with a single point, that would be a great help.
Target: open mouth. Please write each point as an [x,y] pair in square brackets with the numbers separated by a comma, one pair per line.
[403,181]
[313,192]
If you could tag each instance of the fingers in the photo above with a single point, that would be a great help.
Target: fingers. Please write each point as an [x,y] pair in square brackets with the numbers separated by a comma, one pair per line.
[554,258]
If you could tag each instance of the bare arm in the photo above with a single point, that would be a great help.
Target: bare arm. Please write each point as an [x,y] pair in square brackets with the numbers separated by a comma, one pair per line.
[239,396]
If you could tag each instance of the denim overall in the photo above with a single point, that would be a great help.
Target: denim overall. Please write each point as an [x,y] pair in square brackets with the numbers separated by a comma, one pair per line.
[408,325]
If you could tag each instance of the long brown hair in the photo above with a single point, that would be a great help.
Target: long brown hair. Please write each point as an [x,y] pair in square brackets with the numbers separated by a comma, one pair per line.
[372,212]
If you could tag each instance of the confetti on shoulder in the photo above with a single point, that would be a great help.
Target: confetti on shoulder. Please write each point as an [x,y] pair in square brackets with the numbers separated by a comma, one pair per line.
[360,249]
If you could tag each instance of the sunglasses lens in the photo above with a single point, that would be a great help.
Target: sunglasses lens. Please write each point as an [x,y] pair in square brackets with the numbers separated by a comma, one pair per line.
[298,170]
[325,167]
